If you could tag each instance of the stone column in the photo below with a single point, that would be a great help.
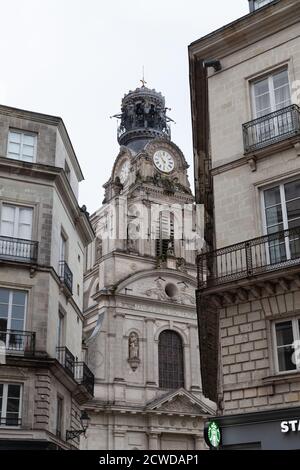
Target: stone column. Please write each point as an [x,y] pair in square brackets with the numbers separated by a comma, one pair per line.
[151,366]
[153,440]
[194,358]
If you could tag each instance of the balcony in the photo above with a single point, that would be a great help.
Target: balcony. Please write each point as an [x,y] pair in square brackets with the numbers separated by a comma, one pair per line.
[271,128]
[66,276]
[66,359]
[78,371]
[84,376]
[18,342]
[263,255]
[17,249]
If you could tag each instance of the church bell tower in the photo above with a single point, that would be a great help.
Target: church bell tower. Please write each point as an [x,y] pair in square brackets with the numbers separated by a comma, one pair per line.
[140,314]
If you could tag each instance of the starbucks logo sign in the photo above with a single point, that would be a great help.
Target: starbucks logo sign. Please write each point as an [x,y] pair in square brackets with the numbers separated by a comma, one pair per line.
[212,433]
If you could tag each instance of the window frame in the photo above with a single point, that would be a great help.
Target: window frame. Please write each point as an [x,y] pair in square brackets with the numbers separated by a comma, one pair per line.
[268,75]
[11,290]
[23,133]
[4,402]
[296,337]
[281,184]
[59,430]
[160,361]
[16,221]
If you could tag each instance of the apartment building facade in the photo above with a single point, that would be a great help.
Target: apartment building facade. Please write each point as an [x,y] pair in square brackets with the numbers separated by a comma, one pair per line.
[44,380]
[245,81]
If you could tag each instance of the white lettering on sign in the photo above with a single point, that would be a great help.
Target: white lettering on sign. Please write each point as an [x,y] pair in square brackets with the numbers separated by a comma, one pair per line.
[293,426]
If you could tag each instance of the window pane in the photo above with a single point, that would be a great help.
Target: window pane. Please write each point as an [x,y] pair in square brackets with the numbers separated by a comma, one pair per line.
[14,148]
[3,327]
[14,137]
[29,139]
[275,229]
[28,150]
[19,297]
[260,3]
[3,311]
[261,87]
[277,251]
[4,295]
[272,197]
[284,333]
[12,419]
[281,79]
[13,405]
[14,391]
[17,325]
[295,246]
[293,209]
[285,359]
[292,190]
[17,312]
[294,223]
[274,215]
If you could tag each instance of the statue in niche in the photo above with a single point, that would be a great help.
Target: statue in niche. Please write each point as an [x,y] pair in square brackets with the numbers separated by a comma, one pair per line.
[133,350]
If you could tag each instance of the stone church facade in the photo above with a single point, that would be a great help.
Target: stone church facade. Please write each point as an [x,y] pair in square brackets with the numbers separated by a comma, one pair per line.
[140,313]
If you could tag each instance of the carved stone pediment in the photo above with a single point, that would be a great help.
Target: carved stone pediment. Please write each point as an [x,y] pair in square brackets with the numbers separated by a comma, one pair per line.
[180,405]
[180,402]
[164,286]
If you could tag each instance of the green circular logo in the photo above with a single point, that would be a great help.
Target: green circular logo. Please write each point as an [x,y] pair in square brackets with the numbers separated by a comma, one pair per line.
[214,434]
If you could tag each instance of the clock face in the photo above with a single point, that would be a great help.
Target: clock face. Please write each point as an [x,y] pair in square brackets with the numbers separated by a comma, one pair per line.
[164,161]
[124,173]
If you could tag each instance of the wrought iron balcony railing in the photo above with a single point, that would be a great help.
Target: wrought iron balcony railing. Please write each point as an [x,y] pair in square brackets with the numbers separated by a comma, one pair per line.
[257,256]
[84,376]
[66,275]
[11,421]
[17,249]
[19,342]
[271,128]
[66,359]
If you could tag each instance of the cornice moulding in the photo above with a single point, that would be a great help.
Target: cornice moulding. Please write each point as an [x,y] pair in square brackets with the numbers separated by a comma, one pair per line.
[247,30]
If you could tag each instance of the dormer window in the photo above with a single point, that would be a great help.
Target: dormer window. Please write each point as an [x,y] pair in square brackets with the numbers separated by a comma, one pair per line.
[22,146]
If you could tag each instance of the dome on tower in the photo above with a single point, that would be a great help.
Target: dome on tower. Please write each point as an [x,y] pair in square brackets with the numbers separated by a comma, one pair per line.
[143,117]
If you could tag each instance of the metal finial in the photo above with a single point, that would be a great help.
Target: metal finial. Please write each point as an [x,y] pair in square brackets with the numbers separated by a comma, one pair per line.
[143,79]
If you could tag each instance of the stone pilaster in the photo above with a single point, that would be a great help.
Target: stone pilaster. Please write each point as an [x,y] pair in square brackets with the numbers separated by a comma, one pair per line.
[150,352]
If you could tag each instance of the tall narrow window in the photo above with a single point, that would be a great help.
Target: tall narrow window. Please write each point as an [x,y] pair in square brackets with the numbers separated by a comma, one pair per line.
[60,330]
[62,254]
[59,416]
[21,146]
[10,404]
[62,248]
[170,360]
[164,233]
[282,212]
[12,318]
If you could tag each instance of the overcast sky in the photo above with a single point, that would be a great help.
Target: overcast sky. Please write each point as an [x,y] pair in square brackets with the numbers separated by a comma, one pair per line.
[77,58]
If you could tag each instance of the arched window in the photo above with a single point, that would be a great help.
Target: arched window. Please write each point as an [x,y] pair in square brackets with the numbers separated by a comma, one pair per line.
[170,360]
[164,233]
